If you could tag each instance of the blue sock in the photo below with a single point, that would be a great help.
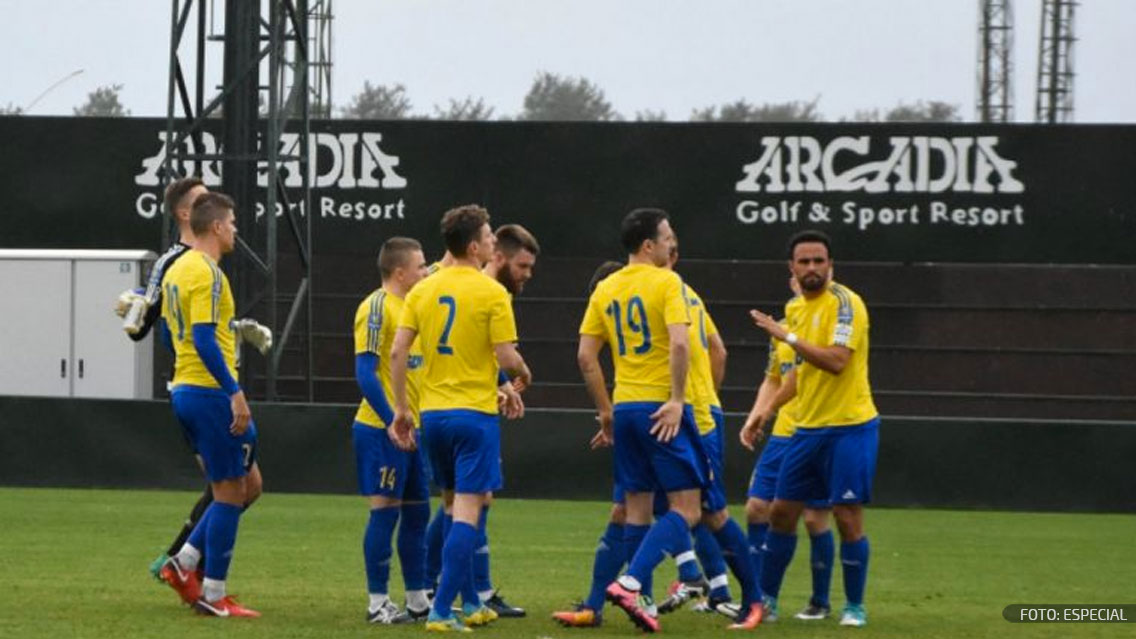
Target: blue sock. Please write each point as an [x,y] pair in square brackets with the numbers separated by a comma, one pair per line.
[197,535]
[220,539]
[710,556]
[481,580]
[377,548]
[779,552]
[412,545]
[854,561]
[757,533]
[688,569]
[435,536]
[610,557]
[457,561]
[669,535]
[821,553]
[735,551]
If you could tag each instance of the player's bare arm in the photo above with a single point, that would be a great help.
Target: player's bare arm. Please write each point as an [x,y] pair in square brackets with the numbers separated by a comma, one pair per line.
[831,359]
[669,416]
[588,358]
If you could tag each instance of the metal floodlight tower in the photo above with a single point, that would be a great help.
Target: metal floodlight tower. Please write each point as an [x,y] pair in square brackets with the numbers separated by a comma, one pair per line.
[1055,62]
[995,55]
[255,155]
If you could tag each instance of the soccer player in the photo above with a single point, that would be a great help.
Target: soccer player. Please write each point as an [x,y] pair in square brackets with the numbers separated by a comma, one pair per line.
[147,308]
[776,396]
[465,327]
[832,454]
[641,313]
[210,405]
[393,480]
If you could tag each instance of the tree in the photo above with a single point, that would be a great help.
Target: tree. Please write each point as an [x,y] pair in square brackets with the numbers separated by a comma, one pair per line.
[553,97]
[103,102]
[650,115]
[467,109]
[932,111]
[743,111]
[11,109]
[378,102]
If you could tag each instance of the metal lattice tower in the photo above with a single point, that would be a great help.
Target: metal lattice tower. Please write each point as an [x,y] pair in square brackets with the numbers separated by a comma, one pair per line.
[995,56]
[1055,62]
[255,155]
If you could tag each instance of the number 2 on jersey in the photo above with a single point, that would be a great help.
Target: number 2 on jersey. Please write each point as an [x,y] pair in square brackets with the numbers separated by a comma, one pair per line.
[636,323]
[443,344]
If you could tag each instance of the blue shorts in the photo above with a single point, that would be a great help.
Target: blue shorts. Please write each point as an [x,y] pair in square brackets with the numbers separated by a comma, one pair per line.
[763,482]
[205,415]
[644,464]
[464,449]
[714,495]
[836,464]
[384,469]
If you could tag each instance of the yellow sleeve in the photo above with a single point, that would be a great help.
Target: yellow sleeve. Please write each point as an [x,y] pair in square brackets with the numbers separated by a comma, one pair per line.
[369,325]
[593,319]
[773,365]
[851,324]
[502,324]
[203,299]
[409,316]
[675,310]
[711,327]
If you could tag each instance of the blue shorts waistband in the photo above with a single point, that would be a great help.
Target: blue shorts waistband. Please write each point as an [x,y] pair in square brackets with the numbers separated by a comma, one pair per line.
[835,430]
[456,412]
[641,405]
[198,390]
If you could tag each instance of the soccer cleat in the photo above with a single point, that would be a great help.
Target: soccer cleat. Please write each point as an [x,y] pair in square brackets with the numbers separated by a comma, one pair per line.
[498,605]
[435,623]
[184,582]
[156,566]
[681,592]
[385,614]
[224,607]
[769,615]
[410,616]
[854,615]
[725,607]
[480,616]
[629,602]
[813,612]
[748,619]
[580,617]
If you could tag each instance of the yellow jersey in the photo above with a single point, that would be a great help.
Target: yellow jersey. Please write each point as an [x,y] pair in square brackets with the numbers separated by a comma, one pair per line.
[376,320]
[195,291]
[836,317]
[700,381]
[781,360]
[460,314]
[631,309]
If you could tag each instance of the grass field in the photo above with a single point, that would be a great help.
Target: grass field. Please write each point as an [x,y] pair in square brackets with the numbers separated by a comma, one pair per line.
[73,564]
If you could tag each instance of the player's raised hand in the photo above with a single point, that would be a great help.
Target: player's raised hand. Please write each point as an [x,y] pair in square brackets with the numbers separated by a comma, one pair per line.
[242,415]
[126,299]
[401,430]
[668,419]
[768,324]
[603,437]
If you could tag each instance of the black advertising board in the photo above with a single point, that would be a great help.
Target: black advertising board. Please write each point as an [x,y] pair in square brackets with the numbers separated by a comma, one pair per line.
[885,192]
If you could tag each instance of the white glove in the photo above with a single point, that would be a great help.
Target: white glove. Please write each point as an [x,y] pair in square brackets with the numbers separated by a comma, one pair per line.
[252,333]
[125,300]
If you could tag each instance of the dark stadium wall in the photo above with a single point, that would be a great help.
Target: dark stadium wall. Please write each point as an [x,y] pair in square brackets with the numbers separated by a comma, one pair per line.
[925,462]
[886,192]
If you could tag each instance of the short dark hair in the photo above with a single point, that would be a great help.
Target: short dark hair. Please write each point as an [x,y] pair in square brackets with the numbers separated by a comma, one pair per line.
[810,235]
[394,253]
[512,238]
[178,189]
[461,225]
[209,208]
[639,226]
[605,269]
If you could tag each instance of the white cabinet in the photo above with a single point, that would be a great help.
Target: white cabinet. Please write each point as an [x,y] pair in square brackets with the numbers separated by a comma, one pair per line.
[58,336]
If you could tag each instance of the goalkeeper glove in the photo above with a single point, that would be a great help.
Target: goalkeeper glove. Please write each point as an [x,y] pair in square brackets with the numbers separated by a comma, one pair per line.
[126,299]
[251,332]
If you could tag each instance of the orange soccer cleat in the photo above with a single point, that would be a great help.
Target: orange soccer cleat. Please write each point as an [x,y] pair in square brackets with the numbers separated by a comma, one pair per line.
[748,619]
[184,582]
[224,607]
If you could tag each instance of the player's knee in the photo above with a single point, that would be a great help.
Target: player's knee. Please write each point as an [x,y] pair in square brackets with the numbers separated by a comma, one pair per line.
[783,517]
[816,521]
[757,511]
[849,521]
[715,520]
[618,514]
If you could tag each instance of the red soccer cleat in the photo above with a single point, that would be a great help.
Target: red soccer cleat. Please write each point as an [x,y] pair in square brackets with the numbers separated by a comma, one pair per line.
[748,619]
[184,582]
[581,617]
[223,607]
[628,601]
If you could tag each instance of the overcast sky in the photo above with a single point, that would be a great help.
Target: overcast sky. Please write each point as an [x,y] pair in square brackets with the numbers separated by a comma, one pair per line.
[669,55]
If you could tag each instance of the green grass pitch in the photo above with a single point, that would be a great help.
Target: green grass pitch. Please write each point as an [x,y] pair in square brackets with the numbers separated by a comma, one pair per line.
[73,564]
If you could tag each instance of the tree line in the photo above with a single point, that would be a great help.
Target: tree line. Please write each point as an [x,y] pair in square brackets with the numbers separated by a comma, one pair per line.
[555,97]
